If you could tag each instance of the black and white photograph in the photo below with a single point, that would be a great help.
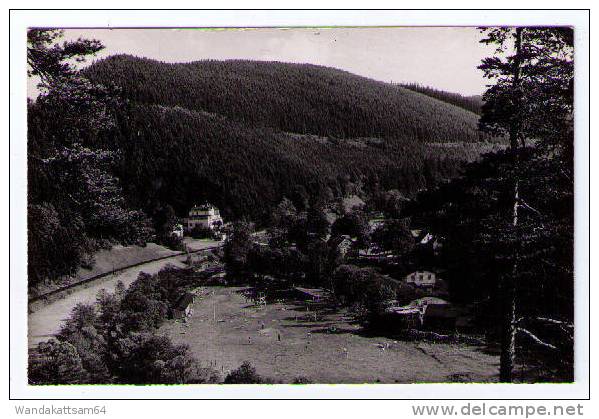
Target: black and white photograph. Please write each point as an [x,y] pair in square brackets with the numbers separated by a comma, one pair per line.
[300,205]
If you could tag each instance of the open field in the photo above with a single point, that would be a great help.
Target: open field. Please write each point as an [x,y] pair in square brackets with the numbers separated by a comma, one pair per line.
[226,330]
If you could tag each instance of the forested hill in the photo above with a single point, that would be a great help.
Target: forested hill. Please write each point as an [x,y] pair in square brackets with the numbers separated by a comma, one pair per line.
[472,103]
[244,134]
[299,98]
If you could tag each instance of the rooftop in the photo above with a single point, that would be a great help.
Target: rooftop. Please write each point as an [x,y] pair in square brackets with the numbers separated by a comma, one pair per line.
[203,207]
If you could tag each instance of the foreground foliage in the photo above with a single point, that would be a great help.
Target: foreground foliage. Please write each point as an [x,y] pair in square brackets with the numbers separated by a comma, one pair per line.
[75,202]
[115,341]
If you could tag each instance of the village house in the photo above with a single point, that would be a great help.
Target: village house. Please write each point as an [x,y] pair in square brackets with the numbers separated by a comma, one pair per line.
[342,243]
[183,308]
[205,216]
[422,279]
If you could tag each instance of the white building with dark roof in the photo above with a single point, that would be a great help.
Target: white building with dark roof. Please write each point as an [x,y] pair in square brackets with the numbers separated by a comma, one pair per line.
[203,216]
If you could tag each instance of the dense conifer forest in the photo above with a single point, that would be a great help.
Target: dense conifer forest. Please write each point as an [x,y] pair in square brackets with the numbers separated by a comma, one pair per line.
[244,134]
[472,103]
[300,98]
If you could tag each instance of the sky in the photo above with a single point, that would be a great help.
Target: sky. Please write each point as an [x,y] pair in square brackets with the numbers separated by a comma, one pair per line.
[442,57]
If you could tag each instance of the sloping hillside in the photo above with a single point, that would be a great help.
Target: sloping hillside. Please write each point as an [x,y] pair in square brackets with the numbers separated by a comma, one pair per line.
[176,156]
[298,98]
[472,103]
[245,134]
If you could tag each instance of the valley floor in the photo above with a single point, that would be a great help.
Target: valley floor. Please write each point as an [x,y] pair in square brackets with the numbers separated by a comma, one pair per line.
[226,329]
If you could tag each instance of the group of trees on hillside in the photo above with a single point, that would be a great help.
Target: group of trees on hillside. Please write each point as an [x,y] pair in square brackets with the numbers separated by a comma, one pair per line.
[470,103]
[299,98]
[507,223]
[75,201]
[297,250]
[246,171]
[115,339]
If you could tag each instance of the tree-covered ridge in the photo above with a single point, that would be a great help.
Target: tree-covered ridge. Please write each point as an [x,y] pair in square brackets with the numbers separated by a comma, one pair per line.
[175,156]
[472,103]
[244,134]
[300,98]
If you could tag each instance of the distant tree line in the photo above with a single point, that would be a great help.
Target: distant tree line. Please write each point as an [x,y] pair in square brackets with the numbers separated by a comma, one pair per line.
[472,103]
[246,171]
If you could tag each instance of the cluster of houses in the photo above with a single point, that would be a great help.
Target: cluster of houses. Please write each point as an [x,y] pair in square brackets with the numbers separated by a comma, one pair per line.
[430,312]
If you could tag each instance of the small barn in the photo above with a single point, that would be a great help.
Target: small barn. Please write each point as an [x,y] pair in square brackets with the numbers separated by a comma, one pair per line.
[183,307]
[428,313]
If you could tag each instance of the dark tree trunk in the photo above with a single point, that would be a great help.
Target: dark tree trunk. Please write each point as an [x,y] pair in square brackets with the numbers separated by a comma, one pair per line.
[508,332]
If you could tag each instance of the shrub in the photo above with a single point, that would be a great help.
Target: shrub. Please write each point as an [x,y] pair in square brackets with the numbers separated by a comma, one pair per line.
[173,242]
[81,331]
[302,380]
[56,362]
[146,358]
[199,232]
[362,287]
[245,374]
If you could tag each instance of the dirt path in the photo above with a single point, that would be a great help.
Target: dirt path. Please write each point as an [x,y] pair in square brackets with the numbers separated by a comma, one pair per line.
[46,321]
[226,330]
